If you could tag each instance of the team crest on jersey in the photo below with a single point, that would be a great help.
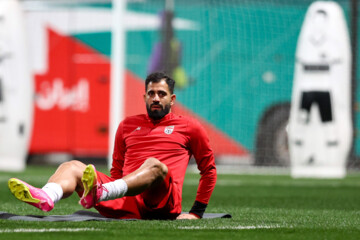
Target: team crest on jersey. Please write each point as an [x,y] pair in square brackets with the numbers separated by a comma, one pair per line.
[169,129]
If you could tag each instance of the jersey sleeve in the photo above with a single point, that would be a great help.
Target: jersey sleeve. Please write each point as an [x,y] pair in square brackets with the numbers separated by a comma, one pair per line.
[201,150]
[118,154]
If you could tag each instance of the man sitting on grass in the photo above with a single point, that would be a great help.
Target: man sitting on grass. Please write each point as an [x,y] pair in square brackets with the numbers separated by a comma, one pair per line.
[150,158]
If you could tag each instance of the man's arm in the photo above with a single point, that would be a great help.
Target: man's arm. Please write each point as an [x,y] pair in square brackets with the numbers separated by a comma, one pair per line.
[200,147]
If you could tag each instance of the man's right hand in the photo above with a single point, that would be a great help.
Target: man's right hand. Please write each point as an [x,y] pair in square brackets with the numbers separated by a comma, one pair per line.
[187,216]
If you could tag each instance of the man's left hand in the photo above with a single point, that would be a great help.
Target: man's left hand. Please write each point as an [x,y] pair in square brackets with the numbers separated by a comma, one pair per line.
[187,216]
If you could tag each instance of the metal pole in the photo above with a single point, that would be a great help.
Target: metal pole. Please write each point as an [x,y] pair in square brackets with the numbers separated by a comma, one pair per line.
[117,72]
[354,47]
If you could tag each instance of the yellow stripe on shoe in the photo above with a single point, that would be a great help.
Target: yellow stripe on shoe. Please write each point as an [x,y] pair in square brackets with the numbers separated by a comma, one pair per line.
[21,191]
[88,179]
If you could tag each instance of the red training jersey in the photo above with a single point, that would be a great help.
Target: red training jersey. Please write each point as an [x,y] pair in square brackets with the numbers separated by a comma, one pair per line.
[172,140]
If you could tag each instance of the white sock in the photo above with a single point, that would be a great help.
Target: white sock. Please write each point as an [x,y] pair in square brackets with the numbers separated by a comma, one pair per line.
[54,191]
[115,189]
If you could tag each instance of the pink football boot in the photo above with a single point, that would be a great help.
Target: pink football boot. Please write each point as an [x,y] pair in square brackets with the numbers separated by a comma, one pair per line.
[92,188]
[31,195]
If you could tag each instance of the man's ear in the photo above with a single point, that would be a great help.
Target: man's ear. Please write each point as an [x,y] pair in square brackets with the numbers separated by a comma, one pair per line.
[173,98]
[144,97]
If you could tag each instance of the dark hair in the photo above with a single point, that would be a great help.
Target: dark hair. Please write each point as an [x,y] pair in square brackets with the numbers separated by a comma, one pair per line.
[157,77]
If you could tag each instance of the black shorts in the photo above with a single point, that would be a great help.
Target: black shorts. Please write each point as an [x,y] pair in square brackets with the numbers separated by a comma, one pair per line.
[322,99]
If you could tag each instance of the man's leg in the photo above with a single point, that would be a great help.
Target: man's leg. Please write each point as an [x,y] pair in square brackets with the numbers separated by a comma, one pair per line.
[61,184]
[162,201]
[149,175]
[68,176]
[159,201]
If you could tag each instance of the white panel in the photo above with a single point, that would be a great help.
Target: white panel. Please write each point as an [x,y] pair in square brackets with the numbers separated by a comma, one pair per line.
[319,147]
[16,105]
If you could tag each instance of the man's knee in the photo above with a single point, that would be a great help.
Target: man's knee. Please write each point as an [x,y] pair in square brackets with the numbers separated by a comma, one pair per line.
[159,169]
[74,166]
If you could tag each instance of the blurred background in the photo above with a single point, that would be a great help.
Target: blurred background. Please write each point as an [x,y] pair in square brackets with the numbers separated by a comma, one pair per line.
[234,63]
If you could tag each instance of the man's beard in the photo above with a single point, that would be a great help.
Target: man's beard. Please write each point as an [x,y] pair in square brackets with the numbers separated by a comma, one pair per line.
[158,114]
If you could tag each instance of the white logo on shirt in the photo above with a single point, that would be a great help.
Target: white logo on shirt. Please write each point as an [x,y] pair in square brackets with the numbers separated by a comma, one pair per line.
[137,129]
[169,129]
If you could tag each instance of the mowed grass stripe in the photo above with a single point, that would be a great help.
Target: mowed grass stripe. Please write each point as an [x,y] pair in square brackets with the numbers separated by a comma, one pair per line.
[299,183]
[41,230]
[263,207]
[230,227]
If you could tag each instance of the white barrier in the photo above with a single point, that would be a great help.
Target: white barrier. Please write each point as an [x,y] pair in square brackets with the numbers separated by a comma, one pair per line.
[16,88]
[320,126]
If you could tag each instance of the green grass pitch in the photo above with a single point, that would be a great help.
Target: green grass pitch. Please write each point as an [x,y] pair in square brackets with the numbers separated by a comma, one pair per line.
[262,206]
